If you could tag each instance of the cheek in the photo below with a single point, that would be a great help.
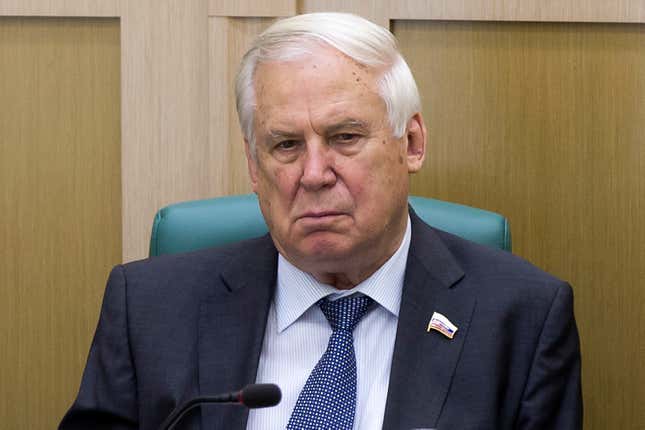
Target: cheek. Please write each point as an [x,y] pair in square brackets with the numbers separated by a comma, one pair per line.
[389,174]
[280,182]
[284,178]
[280,175]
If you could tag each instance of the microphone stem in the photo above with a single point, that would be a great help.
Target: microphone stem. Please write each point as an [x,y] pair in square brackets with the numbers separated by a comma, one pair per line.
[180,412]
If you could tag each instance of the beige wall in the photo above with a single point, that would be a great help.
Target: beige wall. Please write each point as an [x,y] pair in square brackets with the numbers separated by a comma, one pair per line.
[549,133]
[60,200]
[545,123]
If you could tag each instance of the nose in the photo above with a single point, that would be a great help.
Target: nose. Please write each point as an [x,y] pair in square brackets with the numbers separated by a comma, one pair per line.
[318,170]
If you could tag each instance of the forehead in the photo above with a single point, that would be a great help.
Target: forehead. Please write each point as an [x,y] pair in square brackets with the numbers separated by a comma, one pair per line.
[324,86]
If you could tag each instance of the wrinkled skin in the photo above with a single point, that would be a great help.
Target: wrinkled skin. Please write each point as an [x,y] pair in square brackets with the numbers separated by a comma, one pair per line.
[331,179]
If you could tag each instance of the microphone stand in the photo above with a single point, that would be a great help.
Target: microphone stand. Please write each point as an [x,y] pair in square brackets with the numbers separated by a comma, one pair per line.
[251,396]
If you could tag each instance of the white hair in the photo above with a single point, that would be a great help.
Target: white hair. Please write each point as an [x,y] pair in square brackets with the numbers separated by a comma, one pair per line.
[363,41]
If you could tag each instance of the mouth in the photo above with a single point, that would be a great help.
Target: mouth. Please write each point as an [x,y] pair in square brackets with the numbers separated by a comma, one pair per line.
[322,221]
[320,214]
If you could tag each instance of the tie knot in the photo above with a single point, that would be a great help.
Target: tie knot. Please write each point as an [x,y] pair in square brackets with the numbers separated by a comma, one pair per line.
[345,313]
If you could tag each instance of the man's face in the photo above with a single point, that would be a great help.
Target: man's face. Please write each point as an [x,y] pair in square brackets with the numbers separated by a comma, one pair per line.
[331,180]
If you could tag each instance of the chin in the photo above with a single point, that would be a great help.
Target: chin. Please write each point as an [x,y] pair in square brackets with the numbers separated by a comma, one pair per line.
[324,247]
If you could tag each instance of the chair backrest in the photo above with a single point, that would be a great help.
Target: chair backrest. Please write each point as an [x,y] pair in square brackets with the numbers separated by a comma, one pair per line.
[208,223]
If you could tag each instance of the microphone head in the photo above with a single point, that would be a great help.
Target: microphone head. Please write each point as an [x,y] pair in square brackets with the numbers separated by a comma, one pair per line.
[260,395]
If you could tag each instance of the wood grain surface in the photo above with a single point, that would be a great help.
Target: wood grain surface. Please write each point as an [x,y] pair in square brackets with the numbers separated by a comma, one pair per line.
[378,11]
[251,8]
[60,200]
[230,38]
[165,112]
[545,123]
[626,11]
[61,8]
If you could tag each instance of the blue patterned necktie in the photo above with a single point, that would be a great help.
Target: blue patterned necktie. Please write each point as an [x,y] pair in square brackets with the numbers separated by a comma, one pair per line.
[328,400]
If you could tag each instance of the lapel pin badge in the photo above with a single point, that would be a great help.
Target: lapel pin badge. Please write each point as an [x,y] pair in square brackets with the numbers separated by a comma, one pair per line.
[442,324]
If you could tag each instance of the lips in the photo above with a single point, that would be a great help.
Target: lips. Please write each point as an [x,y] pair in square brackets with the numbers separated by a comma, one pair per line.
[320,220]
[316,221]
[321,214]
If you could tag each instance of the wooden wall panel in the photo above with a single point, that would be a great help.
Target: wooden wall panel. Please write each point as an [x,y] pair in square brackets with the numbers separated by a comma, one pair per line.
[104,8]
[230,38]
[545,123]
[165,112]
[377,11]
[60,200]
[501,10]
[251,8]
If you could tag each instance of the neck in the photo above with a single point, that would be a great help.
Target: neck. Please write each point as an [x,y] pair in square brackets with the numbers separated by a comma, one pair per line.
[354,273]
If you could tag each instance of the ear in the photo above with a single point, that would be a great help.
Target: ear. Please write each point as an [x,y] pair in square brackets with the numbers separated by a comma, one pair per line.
[416,137]
[252,165]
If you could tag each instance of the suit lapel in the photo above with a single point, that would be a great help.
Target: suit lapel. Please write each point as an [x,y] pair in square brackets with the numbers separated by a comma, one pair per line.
[232,323]
[424,362]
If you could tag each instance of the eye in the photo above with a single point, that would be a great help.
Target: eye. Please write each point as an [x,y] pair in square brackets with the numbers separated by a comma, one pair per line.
[286,145]
[346,138]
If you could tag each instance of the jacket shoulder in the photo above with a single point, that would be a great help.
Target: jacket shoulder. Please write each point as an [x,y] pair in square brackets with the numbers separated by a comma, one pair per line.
[196,270]
[484,261]
[200,260]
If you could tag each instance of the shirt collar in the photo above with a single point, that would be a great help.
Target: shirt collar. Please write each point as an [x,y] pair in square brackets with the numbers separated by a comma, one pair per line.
[297,291]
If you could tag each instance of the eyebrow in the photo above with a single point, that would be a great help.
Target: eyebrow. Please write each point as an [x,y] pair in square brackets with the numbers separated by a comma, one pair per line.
[279,134]
[353,124]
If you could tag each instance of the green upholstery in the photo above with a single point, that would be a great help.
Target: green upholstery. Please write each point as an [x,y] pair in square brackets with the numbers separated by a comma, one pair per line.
[207,223]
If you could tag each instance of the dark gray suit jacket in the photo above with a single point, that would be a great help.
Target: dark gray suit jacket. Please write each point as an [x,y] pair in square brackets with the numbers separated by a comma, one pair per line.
[177,326]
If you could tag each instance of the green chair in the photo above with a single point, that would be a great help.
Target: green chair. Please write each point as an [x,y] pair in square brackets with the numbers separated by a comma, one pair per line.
[214,222]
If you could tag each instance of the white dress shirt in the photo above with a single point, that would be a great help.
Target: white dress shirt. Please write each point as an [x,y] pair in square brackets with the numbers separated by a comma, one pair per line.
[297,333]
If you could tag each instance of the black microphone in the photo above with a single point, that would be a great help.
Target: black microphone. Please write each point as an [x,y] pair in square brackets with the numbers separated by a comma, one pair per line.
[251,396]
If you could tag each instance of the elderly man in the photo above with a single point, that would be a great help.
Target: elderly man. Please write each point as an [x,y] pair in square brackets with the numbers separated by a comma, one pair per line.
[334,303]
